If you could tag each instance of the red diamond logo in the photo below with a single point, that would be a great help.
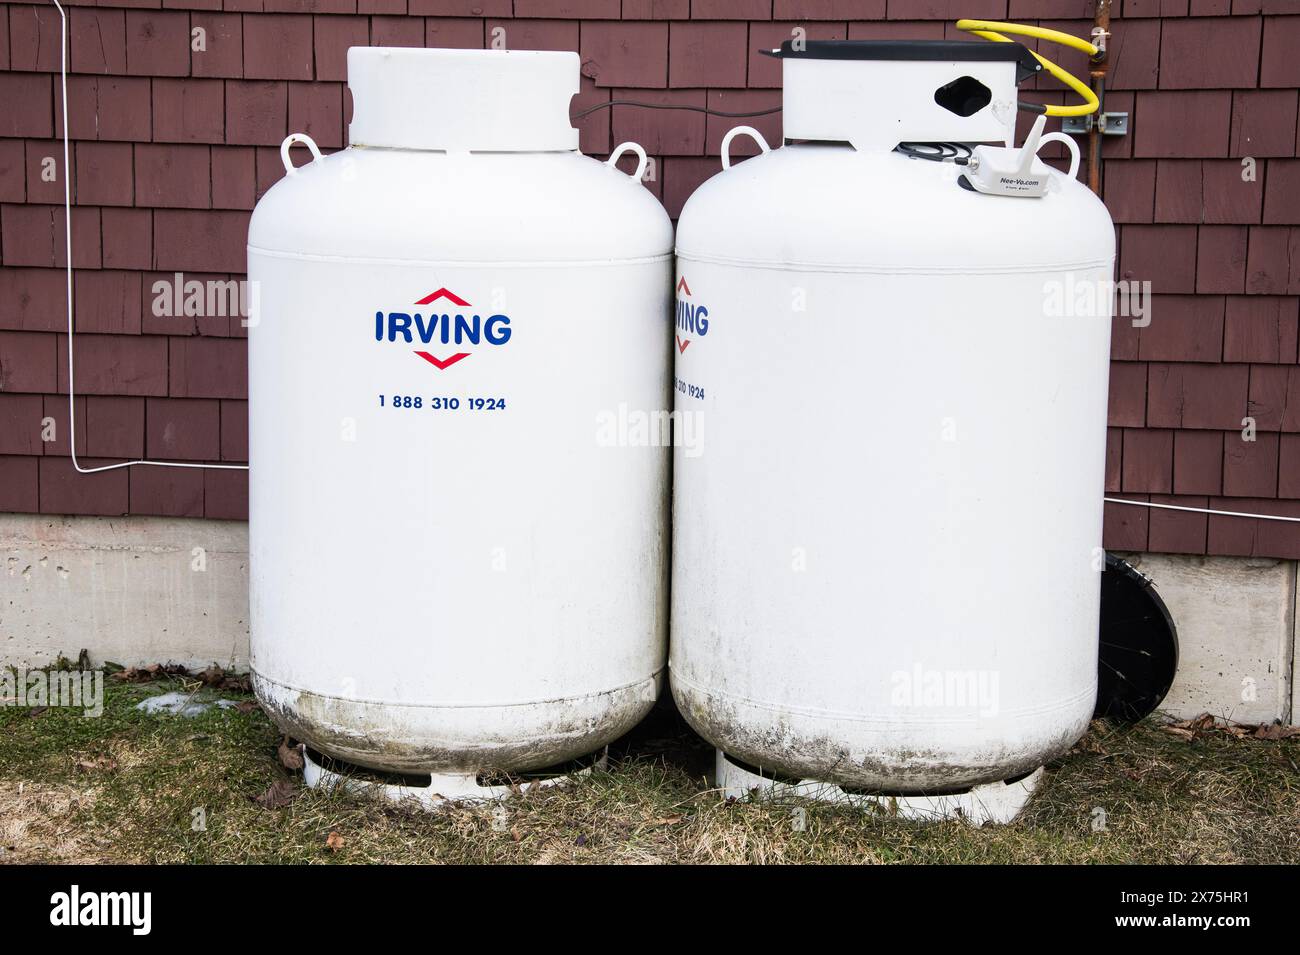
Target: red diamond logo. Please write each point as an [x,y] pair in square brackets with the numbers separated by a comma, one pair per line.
[443,293]
[442,362]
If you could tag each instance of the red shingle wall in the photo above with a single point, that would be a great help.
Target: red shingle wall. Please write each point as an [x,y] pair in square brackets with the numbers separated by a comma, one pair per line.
[1223,255]
[173,146]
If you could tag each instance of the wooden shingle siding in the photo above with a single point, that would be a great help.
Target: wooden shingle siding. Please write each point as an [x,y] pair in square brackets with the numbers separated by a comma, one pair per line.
[172,147]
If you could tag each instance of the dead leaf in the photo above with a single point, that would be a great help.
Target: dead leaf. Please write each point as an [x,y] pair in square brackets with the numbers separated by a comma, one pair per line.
[238,684]
[1276,731]
[148,673]
[105,763]
[1191,729]
[290,756]
[334,842]
[281,793]
[247,706]
[213,676]
[1203,722]
[1090,744]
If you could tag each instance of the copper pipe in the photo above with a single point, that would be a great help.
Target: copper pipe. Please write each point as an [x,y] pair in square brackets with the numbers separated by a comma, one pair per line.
[1097,66]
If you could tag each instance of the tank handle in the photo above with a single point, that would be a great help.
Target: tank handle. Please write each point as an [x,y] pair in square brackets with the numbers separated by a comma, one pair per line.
[1070,143]
[622,148]
[749,131]
[288,143]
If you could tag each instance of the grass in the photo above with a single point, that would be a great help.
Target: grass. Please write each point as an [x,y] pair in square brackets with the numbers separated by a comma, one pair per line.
[130,787]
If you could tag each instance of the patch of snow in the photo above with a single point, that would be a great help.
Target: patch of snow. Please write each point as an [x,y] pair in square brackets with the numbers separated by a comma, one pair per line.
[175,703]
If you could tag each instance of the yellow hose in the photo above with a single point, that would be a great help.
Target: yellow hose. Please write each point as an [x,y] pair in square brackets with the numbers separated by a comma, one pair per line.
[992,30]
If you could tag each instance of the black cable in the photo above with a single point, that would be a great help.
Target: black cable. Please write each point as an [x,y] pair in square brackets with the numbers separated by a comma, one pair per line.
[697,109]
[956,153]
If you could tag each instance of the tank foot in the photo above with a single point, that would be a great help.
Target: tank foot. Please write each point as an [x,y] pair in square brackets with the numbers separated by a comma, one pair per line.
[997,802]
[433,790]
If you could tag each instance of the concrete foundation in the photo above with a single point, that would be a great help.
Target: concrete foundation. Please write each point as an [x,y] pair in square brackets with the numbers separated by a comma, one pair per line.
[1236,620]
[144,590]
[133,590]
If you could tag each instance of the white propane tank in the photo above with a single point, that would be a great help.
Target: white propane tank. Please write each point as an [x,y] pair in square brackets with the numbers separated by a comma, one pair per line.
[450,573]
[887,548]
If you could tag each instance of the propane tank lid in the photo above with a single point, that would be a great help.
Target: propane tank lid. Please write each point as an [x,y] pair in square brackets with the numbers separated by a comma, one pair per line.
[462,100]
[951,51]
[878,93]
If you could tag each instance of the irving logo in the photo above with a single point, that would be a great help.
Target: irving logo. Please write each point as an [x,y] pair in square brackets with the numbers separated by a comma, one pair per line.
[692,319]
[458,328]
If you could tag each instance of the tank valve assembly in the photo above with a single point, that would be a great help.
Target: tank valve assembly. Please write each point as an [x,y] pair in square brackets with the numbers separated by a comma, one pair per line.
[1007,171]
[1004,170]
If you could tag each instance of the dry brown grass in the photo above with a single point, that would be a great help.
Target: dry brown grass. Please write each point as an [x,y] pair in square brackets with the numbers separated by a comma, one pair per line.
[126,787]
[38,823]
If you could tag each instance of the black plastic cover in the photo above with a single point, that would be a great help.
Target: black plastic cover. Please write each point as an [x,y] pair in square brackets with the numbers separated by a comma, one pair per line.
[1138,653]
[957,51]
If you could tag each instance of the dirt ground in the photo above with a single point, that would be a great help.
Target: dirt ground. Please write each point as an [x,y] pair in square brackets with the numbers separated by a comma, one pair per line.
[134,787]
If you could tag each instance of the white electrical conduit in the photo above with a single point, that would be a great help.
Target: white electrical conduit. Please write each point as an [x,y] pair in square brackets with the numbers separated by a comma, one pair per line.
[72,416]
[67,237]
[1200,510]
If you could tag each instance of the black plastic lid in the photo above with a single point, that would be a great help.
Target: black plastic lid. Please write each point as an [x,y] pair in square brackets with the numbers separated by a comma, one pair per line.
[1138,652]
[950,50]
